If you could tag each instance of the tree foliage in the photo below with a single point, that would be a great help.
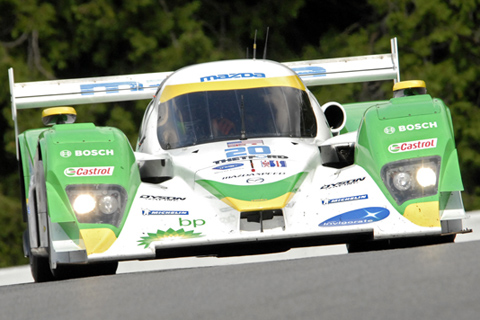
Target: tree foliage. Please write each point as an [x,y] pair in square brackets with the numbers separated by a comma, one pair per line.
[47,39]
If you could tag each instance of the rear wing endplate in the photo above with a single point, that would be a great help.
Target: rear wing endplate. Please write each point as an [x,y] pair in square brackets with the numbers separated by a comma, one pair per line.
[40,94]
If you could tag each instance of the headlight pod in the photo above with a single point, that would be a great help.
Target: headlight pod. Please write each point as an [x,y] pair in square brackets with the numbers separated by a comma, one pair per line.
[98,203]
[412,178]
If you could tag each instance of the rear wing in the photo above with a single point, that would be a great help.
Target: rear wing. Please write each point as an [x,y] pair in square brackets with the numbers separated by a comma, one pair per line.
[348,70]
[40,94]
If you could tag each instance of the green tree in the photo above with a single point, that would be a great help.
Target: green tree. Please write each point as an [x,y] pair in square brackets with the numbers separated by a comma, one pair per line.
[48,39]
[438,43]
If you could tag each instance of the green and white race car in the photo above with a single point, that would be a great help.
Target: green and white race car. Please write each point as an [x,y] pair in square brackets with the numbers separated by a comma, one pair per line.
[234,157]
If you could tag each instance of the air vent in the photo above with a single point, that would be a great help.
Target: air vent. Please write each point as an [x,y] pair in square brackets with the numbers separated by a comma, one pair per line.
[262,220]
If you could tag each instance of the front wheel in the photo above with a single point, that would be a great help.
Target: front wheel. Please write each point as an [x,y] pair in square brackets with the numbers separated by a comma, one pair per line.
[63,272]
[40,268]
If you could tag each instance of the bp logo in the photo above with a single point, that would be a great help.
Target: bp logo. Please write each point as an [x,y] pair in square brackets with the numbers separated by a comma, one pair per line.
[389,130]
[65,153]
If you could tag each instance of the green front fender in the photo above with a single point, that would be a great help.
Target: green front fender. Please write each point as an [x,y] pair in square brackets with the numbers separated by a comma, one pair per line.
[406,128]
[85,156]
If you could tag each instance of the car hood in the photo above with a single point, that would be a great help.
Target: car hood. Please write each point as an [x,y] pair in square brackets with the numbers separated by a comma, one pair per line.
[261,176]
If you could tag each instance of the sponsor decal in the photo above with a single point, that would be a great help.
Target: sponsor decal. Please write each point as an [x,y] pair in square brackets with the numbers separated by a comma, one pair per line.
[164,213]
[342,183]
[94,153]
[242,143]
[345,199]
[411,127]
[273,164]
[311,71]
[255,180]
[250,157]
[228,166]
[417,126]
[253,175]
[194,222]
[389,130]
[115,87]
[232,76]
[65,153]
[170,234]
[413,145]
[357,216]
[252,166]
[88,171]
[161,198]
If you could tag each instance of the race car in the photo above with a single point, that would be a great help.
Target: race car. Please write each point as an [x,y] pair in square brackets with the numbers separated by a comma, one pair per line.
[234,157]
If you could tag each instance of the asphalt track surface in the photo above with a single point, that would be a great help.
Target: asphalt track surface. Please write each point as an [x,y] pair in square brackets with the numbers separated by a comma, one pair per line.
[431,282]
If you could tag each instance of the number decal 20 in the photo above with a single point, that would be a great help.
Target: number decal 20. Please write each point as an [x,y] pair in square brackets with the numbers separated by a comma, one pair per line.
[242,151]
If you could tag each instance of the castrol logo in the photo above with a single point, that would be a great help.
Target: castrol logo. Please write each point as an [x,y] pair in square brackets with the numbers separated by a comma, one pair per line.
[413,145]
[88,171]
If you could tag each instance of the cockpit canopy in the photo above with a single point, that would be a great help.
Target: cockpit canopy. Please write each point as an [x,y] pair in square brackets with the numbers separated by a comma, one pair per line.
[206,116]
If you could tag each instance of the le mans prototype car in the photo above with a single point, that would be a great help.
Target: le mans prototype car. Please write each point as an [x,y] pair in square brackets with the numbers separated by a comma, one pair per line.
[234,157]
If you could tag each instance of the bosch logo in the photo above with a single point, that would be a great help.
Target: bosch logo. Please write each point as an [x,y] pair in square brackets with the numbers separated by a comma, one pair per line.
[65,153]
[411,127]
[94,153]
[417,126]
[389,130]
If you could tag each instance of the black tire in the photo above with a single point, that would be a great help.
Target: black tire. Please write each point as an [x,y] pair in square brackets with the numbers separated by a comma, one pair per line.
[40,268]
[22,189]
[63,272]
[39,265]
[398,243]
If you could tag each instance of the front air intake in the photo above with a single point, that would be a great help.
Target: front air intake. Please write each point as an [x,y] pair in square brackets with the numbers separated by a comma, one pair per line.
[261,221]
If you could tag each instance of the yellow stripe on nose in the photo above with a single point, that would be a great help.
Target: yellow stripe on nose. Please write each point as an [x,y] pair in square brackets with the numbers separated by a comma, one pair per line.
[424,214]
[259,204]
[97,240]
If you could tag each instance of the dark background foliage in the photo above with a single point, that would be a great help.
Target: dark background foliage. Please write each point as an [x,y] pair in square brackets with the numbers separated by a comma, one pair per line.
[48,39]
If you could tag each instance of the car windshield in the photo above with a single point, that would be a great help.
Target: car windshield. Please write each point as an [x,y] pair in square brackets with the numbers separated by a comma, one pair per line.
[208,116]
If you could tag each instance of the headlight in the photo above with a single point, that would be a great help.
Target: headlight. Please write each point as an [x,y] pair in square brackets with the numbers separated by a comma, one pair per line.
[411,178]
[426,177]
[84,203]
[108,204]
[98,203]
[402,180]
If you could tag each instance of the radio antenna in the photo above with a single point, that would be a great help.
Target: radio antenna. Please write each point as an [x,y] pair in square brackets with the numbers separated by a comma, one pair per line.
[255,45]
[265,48]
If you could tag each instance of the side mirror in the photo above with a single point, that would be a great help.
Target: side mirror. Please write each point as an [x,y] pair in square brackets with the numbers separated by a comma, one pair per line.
[154,168]
[339,151]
